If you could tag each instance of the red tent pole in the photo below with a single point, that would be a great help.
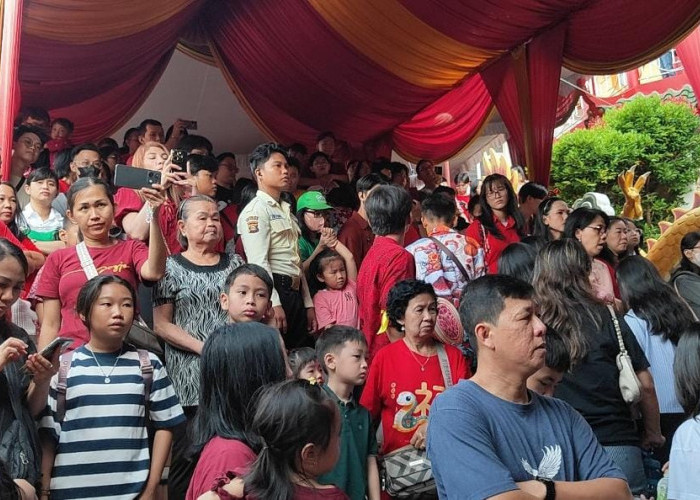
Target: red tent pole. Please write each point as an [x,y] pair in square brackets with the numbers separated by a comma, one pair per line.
[11,15]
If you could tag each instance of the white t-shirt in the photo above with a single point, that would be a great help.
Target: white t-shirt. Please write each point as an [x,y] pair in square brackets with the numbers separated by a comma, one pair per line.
[684,469]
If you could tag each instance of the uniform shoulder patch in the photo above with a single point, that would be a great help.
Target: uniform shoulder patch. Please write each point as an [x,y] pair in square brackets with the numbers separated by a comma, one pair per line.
[252,223]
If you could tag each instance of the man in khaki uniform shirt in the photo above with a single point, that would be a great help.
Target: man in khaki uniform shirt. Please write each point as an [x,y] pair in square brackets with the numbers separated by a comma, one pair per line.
[270,235]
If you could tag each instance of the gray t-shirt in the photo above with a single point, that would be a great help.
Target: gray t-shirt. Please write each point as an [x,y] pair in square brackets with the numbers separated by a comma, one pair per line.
[481,445]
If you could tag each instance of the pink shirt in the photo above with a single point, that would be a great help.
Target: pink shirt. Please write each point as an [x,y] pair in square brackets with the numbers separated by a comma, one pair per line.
[337,307]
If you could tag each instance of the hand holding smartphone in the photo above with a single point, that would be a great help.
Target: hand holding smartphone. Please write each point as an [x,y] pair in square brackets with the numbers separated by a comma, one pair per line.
[59,343]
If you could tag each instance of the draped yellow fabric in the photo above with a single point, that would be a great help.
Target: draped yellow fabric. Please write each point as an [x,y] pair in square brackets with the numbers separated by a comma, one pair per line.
[82,22]
[390,35]
[196,54]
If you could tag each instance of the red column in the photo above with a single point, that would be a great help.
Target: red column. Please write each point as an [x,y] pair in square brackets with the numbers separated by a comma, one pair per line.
[11,17]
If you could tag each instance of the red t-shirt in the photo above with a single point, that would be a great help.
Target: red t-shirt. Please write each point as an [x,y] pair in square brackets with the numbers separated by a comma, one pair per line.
[385,264]
[63,276]
[412,235]
[357,236]
[229,218]
[26,245]
[127,201]
[399,392]
[493,247]
[218,457]
[7,234]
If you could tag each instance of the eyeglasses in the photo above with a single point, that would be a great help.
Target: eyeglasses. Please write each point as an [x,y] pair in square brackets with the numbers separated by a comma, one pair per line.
[598,229]
[315,214]
[30,144]
[496,192]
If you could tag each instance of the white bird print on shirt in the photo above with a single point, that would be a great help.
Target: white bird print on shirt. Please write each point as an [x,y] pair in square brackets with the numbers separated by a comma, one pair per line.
[548,467]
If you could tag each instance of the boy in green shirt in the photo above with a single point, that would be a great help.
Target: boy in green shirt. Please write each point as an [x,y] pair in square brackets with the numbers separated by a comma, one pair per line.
[342,352]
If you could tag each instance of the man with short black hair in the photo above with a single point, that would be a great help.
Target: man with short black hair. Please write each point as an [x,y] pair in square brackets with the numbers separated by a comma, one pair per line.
[386,263]
[356,233]
[151,131]
[27,143]
[33,117]
[530,196]
[197,144]
[425,171]
[490,437]
[270,234]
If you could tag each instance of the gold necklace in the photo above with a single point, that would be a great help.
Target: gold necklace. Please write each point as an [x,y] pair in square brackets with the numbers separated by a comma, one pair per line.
[422,365]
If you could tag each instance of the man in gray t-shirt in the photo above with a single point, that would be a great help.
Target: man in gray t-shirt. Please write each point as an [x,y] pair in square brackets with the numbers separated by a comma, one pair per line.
[489,437]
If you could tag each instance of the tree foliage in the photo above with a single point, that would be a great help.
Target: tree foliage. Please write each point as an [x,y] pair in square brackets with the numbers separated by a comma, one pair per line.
[646,132]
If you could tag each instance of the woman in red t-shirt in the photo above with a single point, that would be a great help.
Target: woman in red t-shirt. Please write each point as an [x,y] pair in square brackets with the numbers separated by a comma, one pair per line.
[500,222]
[91,207]
[132,211]
[405,376]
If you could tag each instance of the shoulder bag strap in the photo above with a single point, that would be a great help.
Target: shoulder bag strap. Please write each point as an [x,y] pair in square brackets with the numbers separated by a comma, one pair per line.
[452,257]
[147,374]
[86,261]
[15,393]
[62,385]
[444,365]
[623,350]
[675,287]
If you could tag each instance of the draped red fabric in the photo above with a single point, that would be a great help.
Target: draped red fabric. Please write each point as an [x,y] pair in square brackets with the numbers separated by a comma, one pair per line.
[689,53]
[443,128]
[10,30]
[300,77]
[101,85]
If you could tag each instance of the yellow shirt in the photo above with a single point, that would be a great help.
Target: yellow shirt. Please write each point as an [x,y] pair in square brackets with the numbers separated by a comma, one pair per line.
[270,236]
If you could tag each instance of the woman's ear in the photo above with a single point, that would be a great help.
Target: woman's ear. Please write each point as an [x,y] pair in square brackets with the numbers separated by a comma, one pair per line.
[69,214]
[688,253]
[181,227]
[577,234]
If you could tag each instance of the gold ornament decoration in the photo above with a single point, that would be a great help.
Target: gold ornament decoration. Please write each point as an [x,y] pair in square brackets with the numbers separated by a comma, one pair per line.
[632,191]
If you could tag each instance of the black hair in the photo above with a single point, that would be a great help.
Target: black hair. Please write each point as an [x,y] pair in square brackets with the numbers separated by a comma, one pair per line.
[366,183]
[83,147]
[317,266]
[190,142]
[238,187]
[511,209]
[420,163]
[107,142]
[518,261]
[144,124]
[462,178]
[17,223]
[440,207]
[557,357]
[287,417]
[580,218]
[84,183]
[41,174]
[299,358]
[397,167]
[380,164]
[686,370]
[688,242]
[90,292]
[183,213]
[318,154]
[10,250]
[65,123]
[484,299]
[401,294]
[343,197]
[445,191]
[27,112]
[294,163]
[531,190]
[226,154]
[250,270]
[197,162]
[333,339]
[262,153]
[298,148]
[474,200]
[128,133]
[109,149]
[238,359]
[324,135]
[652,299]
[607,254]
[247,194]
[541,230]
[388,208]
[29,129]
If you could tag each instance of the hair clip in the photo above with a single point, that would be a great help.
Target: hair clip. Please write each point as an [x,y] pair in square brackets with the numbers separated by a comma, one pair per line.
[312,380]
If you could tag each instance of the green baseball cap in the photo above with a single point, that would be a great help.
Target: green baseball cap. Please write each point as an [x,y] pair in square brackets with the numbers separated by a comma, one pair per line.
[312,200]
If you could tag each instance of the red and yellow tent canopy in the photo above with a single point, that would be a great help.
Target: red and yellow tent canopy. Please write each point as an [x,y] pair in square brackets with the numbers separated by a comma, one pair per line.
[418,76]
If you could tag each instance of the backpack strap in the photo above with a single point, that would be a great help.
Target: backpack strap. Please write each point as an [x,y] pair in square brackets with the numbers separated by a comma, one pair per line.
[452,257]
[147,375]
[444,365]
[62,385]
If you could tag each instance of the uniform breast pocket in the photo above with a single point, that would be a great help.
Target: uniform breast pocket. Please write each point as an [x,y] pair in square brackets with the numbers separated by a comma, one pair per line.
[282,232]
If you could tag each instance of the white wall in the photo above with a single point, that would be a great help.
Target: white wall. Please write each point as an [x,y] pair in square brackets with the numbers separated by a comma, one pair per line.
[192,90]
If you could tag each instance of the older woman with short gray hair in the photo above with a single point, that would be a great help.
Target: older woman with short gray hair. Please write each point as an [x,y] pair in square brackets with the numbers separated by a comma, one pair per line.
[187,310]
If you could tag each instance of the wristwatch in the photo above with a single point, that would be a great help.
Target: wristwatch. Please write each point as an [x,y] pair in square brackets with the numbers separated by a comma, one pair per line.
[549,484]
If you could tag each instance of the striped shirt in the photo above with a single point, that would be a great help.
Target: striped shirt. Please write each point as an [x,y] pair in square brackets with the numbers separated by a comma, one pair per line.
[102,443]
[660,353]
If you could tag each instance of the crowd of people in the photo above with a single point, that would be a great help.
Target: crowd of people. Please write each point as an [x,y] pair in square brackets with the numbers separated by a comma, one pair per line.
[325,329]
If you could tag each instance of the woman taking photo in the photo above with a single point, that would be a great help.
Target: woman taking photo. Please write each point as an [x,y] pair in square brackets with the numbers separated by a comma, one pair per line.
[500,222]
[550,219]
[91,207]
[312,210]
[656,316]
[133,213]
[590,227]
[686,279]
[591,386]
[221,439]
[395,392]
[186,310]
[24,380]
